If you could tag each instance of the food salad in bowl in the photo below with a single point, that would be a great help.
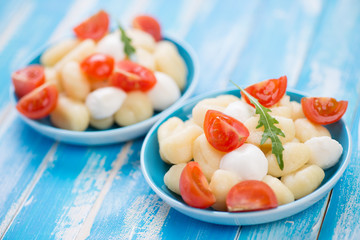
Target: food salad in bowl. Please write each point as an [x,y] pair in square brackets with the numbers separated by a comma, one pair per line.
[104,82]
[248,160]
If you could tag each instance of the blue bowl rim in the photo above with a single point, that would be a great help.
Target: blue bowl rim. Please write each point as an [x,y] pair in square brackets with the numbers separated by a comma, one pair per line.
[204,214]
[110,132]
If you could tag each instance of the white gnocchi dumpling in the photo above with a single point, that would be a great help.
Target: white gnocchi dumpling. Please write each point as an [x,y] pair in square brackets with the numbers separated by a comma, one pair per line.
[218,103]
[144,58]
[207,156]
[247,162]
[306,130]
[169,61]
[70,114]
[141,39]
[172,177]
[136,107]
[297,111]
[80,52]
[74,81]
[285,124]
[112,46]
[56,52]
[176,139]
[221,183]
[304,181]
[164,93]
[282,192]
[324,151]
[103,123]
[295,155]
[53,76]
[104,102]
[240,111]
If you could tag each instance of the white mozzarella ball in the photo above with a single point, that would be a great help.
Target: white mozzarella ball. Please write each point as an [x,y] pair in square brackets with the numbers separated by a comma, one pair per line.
[248,162]
[112,45]
[324,151]
[104,102]
[240,110]
[164,93]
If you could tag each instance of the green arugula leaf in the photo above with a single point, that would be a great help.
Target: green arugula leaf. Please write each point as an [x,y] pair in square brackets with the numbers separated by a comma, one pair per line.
[128,48]
[270,130]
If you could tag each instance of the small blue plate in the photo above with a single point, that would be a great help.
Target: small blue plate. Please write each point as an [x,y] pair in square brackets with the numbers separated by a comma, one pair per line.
[117,134]
[154,170]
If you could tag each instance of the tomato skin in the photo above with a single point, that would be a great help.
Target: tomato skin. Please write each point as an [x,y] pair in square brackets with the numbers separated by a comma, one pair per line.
[250,195]
[148,24]
[131,76]
[98,66]
[223,132]
[194,187]
[27,79]
[94,27]
[40,102]
[268,92]
[323,110]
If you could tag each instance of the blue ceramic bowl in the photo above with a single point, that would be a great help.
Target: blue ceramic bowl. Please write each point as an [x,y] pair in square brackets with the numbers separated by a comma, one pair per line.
[154,170]
[116,134]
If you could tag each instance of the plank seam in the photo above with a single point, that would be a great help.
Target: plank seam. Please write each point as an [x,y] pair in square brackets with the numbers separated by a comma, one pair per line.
[17,206]
[323,217]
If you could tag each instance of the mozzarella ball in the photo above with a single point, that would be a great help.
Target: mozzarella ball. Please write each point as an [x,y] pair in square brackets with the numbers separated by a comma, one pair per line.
[295,155]
[324,151]
[70,114]
[304,181]
[306,130]
[164,93]
[172,177]
[219,103]
[240,111]
[285,124]
[248,162]
[136,108]
[207,156]
[80,52]
[176,140]
[141,39]
[74,81]
[104,102]
[54,53]
[103,123]
[169,61]
[282,193]
[111,45]
[221,183]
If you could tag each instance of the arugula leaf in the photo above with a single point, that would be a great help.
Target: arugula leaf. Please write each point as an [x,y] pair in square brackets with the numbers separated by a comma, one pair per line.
[128,48]
[270,130]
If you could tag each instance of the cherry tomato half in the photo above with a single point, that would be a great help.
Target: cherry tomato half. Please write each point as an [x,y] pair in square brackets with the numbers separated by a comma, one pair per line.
[27,79]
[323,110]
[194,187]
[250,195]
[94,27]
[223,132]
[268,92]
[148,24]
[98,66]
[40,102]
[131,76]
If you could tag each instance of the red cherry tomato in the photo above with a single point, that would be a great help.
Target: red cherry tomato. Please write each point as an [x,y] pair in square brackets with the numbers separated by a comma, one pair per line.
[223,132]
[194,187]
[148,24]
[267,92]
[131,76]
[94,27]
[250,195]
[27,79]
[323,110]
[40,102]
[98,66]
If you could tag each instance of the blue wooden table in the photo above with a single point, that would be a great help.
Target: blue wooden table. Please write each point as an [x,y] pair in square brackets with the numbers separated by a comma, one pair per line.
[52,190]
